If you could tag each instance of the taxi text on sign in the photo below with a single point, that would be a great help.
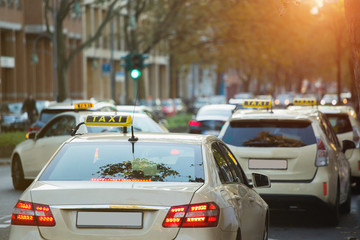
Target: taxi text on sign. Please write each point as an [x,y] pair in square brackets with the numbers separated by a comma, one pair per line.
[257,103]
[124,121]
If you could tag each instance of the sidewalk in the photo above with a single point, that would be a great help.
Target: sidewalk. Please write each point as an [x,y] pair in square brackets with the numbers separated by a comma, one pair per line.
[5,161]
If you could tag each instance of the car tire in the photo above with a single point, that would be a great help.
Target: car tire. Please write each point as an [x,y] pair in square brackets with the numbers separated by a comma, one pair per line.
[17,174]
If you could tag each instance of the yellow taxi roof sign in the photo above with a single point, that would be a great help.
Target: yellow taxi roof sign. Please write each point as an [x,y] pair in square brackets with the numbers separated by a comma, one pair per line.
[304,101]
[257,103]
[84,105]
[108,120]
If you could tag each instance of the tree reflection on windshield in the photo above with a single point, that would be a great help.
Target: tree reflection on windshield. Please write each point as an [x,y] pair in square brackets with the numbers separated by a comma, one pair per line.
[266,139]
[137,169]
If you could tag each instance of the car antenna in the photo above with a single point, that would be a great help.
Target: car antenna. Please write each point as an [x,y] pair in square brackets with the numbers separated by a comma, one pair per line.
[134,139]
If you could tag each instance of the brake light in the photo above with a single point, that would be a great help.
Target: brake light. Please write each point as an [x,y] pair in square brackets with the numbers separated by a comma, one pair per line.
[33,214]
[322,158]
[325,188]
[192,216]
[194,123]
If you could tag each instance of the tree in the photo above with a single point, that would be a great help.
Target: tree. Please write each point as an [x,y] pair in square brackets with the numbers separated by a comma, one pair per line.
[64,59]
[352,10]
[147,23]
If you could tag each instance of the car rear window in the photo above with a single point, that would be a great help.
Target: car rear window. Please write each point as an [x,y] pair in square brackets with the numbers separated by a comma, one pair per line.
[340,123]
[116,162]
[269,133]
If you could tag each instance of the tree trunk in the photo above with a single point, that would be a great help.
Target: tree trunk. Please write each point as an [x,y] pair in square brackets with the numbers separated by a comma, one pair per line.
[352,10]
[63,91]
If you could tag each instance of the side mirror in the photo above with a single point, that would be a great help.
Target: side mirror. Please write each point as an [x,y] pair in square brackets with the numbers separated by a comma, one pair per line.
[31,135]
[260,180]
[348,144]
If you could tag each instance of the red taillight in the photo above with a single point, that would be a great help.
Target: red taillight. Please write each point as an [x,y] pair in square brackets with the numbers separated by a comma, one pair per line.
[27,213]
[322,158]
[194,123]
[194,215]
[325,188]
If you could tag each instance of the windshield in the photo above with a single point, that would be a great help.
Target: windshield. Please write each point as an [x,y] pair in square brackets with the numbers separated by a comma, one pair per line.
[340,123]
[271,133]
[115,161]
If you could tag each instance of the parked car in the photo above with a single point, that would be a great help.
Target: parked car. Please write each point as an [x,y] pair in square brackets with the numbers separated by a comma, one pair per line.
[168,107]
[47,113]
[179,105]
[12,118]
[198,103]
[211,118]
[283,100]
[300,152]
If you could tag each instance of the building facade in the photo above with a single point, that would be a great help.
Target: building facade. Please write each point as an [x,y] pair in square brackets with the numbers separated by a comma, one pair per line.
[111,48]
[23,34]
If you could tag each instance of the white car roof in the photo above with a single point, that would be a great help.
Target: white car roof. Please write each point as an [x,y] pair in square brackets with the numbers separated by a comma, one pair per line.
[285,114]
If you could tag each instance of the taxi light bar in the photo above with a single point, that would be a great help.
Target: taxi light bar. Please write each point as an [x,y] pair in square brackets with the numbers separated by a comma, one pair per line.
[257,103]
[122,121]
[192,216]
[24,214]
[84,105]
[118,180]
[304,101]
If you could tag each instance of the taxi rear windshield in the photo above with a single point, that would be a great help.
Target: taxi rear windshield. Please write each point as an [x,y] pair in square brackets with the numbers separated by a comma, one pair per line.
[340,123]
[162,162]
[269,133]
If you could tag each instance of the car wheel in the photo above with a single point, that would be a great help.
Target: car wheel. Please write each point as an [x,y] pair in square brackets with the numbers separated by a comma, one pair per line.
[17,174]
[346,206]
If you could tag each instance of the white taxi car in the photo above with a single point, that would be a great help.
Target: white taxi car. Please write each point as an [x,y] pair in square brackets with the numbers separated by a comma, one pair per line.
[298,150]
[30,156]
[343,120]
[141,186]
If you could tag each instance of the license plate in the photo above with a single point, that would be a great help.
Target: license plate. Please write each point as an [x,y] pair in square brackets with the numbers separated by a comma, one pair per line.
[267,164]
[109,219]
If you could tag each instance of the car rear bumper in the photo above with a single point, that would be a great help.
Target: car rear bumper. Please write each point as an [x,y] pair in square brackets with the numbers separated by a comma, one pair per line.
[293,202]
[322,189]
[24,232]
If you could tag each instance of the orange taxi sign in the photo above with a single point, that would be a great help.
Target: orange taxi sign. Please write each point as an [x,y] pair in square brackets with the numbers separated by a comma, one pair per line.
[84,105]
[257,103]
[304,101]
[108,120]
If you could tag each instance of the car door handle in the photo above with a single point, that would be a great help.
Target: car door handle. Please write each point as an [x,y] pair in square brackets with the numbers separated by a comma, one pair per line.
[251,199]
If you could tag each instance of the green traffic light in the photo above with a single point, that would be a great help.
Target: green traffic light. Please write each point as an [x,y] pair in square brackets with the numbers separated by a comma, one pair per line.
[135,73]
